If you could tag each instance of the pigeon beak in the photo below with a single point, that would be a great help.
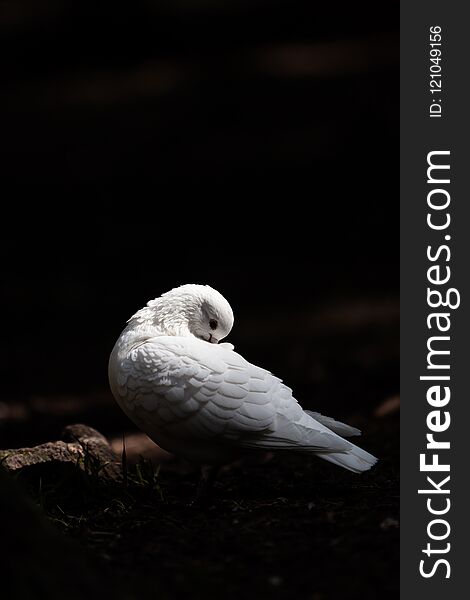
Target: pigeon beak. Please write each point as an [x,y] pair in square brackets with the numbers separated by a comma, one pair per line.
[212,339]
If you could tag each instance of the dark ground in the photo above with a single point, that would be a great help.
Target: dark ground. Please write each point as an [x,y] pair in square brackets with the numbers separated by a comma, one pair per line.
[294,528]
[205,129]
[291,527]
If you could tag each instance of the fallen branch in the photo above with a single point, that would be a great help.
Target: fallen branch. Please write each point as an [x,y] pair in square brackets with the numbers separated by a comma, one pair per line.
[82,446]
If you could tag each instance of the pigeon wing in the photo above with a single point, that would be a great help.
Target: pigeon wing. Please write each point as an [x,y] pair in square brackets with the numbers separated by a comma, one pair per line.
[206,391]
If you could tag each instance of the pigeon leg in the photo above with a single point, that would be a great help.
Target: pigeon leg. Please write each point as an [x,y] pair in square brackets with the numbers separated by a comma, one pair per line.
[206,481]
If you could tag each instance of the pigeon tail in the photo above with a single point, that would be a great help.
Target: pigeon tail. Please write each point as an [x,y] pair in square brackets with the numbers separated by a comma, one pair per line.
[356,459]
[339,428]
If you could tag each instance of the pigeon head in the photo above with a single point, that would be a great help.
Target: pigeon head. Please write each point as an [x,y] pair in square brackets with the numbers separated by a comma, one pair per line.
[190,309]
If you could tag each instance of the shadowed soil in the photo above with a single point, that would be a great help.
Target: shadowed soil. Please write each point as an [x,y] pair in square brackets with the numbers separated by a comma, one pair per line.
[289,527]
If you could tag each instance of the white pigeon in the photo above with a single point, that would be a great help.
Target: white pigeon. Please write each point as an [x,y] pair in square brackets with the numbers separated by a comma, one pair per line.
[200,400]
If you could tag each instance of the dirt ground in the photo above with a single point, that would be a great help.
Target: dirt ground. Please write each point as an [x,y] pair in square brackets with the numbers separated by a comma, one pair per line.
[290,526]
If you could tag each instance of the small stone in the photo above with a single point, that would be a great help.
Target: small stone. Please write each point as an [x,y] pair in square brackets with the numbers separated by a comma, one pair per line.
[389,523]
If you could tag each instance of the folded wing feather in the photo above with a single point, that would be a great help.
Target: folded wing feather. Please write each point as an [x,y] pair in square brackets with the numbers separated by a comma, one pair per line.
[206,390]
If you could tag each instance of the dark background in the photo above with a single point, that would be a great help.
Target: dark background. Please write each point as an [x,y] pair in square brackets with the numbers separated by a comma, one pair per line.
[252,146]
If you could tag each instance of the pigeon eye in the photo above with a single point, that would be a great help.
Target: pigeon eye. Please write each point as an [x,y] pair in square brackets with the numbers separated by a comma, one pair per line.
[213,324]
